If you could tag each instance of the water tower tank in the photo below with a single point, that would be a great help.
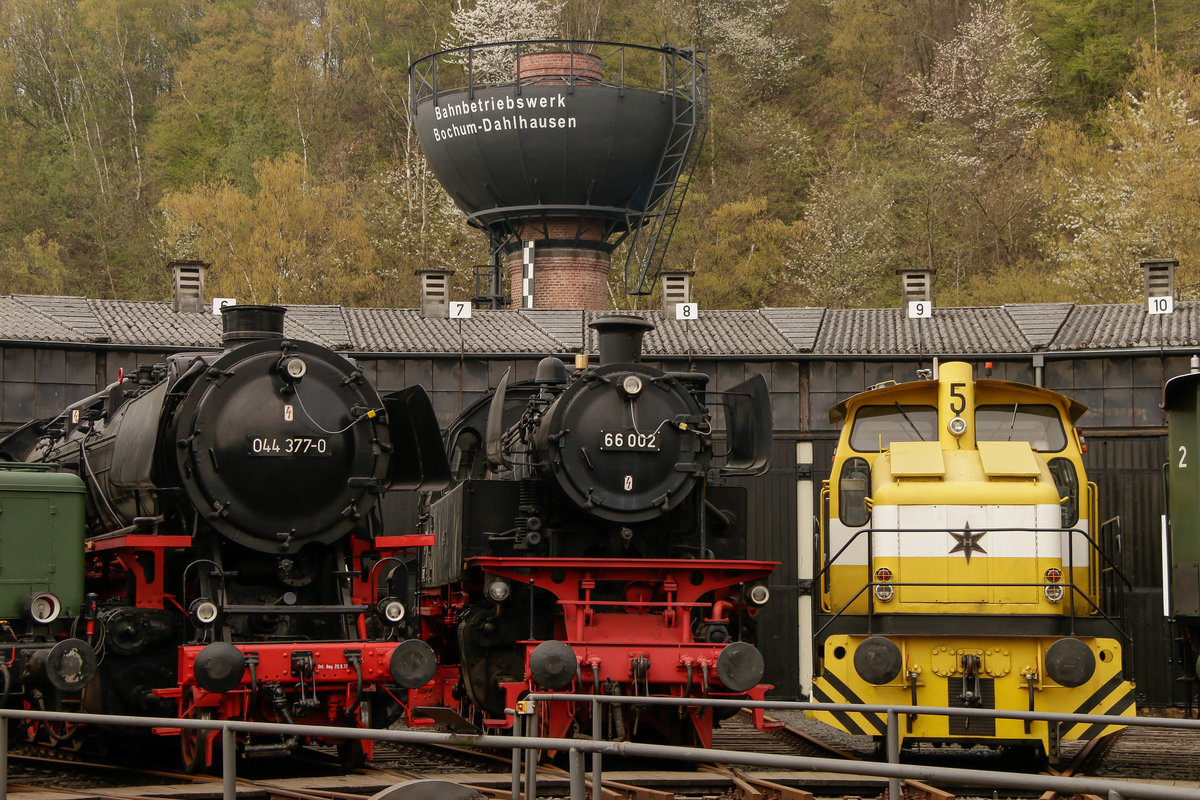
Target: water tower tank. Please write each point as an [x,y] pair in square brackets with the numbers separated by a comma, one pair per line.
[569,145]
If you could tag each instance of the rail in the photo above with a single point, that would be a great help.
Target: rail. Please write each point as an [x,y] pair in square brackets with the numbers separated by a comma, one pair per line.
[527,720]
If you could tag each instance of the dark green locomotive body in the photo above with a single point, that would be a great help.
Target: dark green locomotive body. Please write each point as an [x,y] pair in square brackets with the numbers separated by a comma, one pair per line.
[42,563]
[1181,578]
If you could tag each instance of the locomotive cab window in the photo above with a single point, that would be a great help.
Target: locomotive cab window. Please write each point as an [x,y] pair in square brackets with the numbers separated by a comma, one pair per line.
[465,460]
[854,484]
[1067,483]
[1040,425]
[877,427]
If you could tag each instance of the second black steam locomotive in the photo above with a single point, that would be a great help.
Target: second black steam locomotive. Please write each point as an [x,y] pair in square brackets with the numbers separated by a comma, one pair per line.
[237,564]
[589,546]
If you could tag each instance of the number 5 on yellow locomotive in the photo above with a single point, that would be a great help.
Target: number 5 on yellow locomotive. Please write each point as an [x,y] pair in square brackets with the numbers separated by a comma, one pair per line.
[960,565]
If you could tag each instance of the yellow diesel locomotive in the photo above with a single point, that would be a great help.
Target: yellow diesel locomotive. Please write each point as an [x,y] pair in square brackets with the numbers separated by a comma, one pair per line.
[959,565]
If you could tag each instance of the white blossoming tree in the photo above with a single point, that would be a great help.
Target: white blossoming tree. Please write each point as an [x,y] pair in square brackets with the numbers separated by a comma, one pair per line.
[966,169]
[744,31]
[1131,193]
[490,21]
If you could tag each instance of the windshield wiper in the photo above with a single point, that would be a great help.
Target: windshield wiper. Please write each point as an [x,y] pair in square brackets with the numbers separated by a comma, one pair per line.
[1013,422]
[907,419]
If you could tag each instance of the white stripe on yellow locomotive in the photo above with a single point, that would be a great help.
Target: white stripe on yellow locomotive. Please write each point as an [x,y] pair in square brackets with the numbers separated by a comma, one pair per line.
[956,506]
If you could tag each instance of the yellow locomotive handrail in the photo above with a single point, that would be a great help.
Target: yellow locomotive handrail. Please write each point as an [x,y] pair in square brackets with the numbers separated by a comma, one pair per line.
[1091,601]
[928,584]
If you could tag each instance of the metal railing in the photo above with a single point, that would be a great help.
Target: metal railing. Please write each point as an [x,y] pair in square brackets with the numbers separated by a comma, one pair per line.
[532,746]
[1098,559]
[494,65]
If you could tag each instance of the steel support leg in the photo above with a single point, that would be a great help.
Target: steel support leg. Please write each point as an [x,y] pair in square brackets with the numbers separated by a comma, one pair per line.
[893,752]
[518,730]
[228,763]
[578,785]
[597,735]
[531,756]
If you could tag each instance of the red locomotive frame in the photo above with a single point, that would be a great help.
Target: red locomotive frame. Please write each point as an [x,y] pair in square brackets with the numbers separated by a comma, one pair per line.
[331,678]
[644,644]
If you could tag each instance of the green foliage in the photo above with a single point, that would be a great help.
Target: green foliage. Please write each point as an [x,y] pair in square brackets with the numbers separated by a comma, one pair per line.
[1132,195]
[294,240]
[848,138]
[33,267]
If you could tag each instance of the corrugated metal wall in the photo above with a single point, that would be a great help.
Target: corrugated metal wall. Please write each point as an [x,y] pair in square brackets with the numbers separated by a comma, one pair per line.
[1127,471]
[771,510]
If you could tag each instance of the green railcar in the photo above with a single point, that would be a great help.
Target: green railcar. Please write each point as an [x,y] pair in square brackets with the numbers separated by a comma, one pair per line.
[42,562]
[1181,399]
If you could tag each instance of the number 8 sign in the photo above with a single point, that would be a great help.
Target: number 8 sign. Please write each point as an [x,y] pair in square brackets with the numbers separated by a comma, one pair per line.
[686,311]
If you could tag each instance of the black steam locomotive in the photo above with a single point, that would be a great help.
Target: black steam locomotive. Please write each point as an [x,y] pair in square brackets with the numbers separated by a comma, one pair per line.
[237,562]
[589,547]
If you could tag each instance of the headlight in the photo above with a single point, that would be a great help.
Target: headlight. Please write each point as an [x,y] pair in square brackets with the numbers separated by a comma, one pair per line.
[759,594]
[958,426]
[391,610]
[42,607]
[294,368]
[883,592]
[204,612]
[1053,592]
[632,385]
[498,590]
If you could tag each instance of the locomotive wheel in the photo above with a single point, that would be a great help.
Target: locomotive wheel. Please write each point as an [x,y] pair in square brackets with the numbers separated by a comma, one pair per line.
[193,744]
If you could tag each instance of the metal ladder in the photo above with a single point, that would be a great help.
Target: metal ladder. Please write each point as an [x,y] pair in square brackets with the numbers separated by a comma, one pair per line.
[652,233]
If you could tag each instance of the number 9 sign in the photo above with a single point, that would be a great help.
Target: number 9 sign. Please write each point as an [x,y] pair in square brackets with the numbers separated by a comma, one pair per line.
[920,309]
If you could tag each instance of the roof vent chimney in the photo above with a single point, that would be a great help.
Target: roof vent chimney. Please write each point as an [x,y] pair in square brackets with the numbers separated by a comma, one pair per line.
[915,285]
[188,278]
[435,293]
[1159,276]
[676,288]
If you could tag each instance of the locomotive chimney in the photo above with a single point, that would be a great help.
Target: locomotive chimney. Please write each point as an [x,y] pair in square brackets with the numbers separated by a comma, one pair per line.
[242,324]
[620,338]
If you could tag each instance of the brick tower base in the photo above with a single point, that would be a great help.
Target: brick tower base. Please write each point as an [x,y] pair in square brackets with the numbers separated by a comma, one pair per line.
[563,277]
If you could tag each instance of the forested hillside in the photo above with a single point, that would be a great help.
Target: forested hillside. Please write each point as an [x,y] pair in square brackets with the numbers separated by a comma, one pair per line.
[1030,150]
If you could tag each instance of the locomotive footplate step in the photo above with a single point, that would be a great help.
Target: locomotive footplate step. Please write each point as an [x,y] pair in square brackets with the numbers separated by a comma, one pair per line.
[448,718]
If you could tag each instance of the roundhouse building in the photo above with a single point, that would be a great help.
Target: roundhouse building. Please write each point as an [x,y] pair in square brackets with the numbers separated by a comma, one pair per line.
[1112,358]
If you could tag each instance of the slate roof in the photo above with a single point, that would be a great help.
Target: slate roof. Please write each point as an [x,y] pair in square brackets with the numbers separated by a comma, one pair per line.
[950,331]
[801,332]
[21,321]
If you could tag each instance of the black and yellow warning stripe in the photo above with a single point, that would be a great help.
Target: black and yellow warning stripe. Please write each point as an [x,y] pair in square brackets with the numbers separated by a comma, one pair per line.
[1114,698]
[874,723]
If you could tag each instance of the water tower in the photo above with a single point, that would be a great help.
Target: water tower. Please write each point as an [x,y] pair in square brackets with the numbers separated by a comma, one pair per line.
[560,150]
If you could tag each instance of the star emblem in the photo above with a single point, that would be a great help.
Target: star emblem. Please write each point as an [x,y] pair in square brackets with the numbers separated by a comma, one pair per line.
[968,542]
